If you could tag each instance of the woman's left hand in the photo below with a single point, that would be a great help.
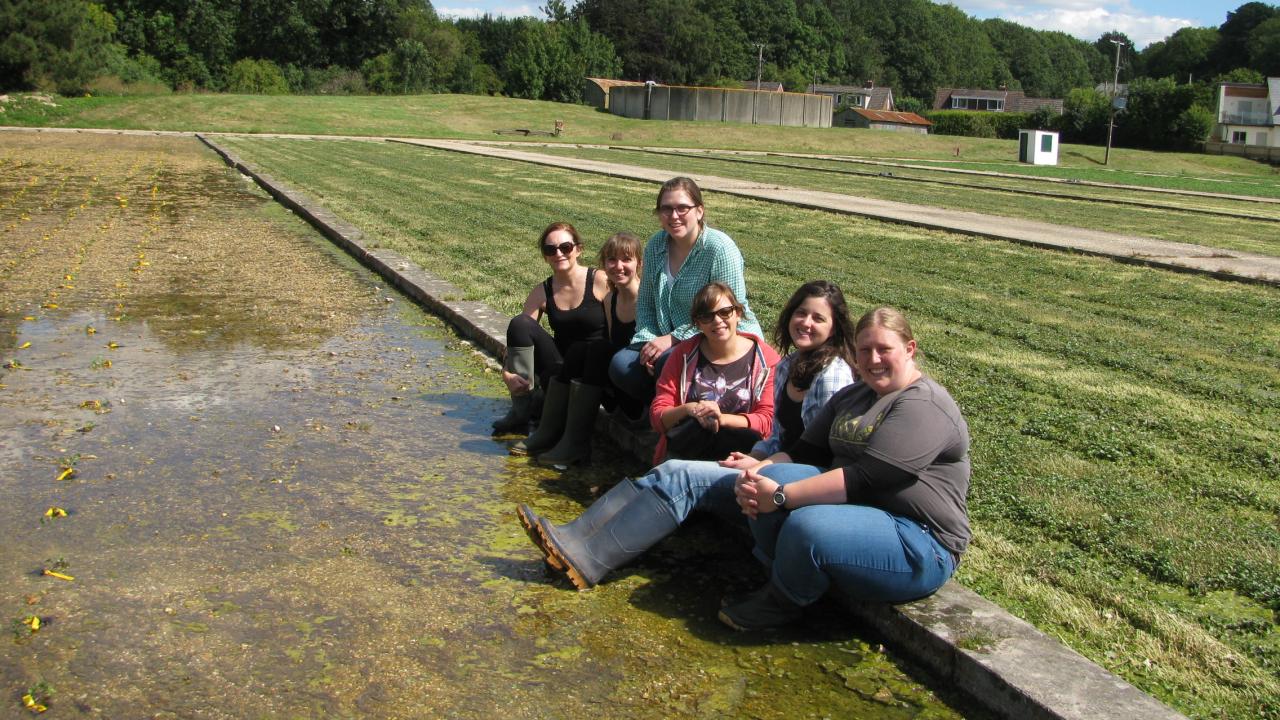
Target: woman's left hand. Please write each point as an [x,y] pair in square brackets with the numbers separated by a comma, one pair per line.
[754,493]
[707,413]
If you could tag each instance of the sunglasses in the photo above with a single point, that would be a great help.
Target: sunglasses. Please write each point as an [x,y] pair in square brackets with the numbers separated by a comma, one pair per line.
[563,248]
[669,210]
[723,313]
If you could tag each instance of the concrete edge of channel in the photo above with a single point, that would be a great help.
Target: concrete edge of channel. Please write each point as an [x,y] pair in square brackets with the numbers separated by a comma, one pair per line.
[1000,661]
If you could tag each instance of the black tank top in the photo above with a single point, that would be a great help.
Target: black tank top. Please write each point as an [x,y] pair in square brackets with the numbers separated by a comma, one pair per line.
[789,417]
[584,322]
[620,333]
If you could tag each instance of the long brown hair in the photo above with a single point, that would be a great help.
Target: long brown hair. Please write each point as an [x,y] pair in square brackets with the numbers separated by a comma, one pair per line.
[806,366]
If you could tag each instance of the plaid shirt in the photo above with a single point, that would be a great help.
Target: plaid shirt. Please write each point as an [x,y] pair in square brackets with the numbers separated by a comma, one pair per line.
[833,377]
[664,306]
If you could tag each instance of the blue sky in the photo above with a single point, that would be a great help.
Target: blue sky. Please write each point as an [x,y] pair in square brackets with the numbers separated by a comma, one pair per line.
[1145,21]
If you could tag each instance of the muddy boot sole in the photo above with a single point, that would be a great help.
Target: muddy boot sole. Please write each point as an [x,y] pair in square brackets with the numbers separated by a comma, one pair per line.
[530,524]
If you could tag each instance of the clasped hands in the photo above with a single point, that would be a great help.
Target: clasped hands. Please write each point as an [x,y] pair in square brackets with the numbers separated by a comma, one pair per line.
[706,412]
[753,491]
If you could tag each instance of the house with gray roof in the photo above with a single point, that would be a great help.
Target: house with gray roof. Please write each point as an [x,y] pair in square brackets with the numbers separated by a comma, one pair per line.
[867,97]
[1000,100]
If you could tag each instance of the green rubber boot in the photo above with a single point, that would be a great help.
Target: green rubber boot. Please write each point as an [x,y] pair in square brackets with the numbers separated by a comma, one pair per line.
[555,405]
[579,426]
[520,362]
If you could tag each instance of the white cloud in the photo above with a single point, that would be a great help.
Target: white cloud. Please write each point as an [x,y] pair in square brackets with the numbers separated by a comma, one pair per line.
[1092,23]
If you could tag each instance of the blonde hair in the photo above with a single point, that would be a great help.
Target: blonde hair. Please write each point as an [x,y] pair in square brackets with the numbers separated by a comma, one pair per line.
[889,319]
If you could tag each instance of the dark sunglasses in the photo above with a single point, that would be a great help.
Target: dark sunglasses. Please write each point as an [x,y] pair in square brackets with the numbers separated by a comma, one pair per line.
[563,248]
[723,313]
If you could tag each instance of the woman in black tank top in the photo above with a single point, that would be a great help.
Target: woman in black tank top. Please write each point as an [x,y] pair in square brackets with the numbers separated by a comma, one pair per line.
[563,436]
[533,355]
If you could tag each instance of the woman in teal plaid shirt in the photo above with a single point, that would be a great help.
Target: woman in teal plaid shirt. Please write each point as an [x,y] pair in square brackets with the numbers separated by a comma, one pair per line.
[678,261]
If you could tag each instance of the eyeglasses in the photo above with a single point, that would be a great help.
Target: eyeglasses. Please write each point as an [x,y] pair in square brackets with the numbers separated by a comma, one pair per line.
[669,210]
[563,248]
[723,313]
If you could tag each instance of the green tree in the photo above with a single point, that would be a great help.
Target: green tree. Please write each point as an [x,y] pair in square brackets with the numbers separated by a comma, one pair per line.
[53,44]
[1186,53]
[1102,64]
[404,70]
[1085,113]
[1264,47]
[1161,114]
[1232,50]
[256,77]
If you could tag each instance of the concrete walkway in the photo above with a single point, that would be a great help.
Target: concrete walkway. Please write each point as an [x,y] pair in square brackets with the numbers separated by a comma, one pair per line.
[1182,257]
[1001,661]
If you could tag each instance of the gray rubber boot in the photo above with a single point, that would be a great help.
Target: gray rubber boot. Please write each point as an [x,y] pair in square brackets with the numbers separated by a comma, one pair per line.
[520,362]
[605,507]
[640,524]
[575,444]
[555,406]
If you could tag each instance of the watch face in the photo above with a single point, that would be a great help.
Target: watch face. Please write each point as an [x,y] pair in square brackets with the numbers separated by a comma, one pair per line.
[779,497]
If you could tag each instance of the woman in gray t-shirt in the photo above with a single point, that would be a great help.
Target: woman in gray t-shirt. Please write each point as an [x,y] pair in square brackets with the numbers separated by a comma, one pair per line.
[887,520]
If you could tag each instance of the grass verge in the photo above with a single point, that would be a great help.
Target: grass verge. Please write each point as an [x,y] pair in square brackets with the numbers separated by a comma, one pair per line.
[1125,420]
[471,116]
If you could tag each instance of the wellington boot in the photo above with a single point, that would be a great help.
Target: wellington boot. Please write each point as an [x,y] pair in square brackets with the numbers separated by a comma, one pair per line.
[605,507]
[641,523]
[555,405]
[520,362]
[579,426]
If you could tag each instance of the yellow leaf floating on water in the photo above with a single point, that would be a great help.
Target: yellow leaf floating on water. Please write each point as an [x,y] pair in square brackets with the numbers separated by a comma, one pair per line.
[66,473]
[56,574]
[89,330]
[29,318]
[32,621]
[68,277]
[55,512]
[112,345]
[31,704]
[13,365]
[50,306]
[25,345]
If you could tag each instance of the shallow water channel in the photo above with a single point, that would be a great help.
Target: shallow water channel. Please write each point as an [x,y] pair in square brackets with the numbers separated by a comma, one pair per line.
[284,500]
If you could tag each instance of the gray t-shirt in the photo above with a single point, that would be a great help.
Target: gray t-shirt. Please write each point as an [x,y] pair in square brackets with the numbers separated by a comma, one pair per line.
[921,432]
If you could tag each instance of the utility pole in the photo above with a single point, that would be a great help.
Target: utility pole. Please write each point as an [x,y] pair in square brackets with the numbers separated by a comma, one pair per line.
[759,68]
[1115,86]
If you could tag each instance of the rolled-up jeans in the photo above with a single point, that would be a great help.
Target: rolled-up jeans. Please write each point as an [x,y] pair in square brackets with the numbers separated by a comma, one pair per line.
[689,485]
[630,375]
[868,553]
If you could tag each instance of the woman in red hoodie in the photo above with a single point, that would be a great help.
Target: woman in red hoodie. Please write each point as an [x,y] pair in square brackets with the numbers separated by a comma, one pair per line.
[715,394]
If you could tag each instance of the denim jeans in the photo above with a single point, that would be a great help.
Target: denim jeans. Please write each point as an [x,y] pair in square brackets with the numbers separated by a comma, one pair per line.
[689,485]
[868,553]
[631,377]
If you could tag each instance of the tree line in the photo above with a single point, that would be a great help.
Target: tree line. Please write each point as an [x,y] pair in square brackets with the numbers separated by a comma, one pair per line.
[402,46]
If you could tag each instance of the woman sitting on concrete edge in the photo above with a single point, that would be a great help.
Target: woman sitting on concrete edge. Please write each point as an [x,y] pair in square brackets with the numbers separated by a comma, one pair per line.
[888,520]
[563,435]
[634,515]
[715,395]
[533,355]
[678,261]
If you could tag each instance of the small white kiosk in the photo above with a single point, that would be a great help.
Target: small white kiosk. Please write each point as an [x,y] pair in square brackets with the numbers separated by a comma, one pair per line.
[1038,147]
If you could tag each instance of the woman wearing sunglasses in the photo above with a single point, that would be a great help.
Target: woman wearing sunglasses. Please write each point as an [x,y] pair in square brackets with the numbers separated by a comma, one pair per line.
[563,435]
[571,299]
[678,261]
[635,514]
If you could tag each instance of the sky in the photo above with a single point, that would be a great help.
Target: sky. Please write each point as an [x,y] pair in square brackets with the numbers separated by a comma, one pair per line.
[1144,21]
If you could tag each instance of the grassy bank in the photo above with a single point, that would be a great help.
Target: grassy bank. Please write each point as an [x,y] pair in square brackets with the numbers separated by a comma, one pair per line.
[1125,420]
[470,116]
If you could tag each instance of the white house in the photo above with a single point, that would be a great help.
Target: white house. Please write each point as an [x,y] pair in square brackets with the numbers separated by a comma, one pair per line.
[1249,113]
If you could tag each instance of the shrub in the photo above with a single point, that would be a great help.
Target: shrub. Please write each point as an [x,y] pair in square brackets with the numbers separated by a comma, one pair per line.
[969,123]
[256,77]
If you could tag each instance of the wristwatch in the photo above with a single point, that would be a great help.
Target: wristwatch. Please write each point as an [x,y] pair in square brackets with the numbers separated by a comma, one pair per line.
[779,497]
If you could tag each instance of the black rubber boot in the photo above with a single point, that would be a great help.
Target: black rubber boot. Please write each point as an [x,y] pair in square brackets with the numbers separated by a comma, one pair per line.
[580,424]
[762,609]
[555,407]
[605,507]
[519,361]
[641,523]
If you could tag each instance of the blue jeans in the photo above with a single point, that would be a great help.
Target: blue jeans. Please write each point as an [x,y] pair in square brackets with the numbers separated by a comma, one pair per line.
[631,377]
[689,485]
[868,553]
